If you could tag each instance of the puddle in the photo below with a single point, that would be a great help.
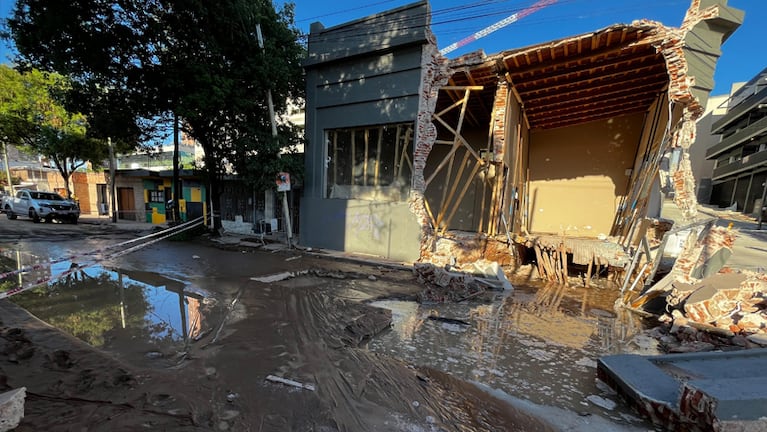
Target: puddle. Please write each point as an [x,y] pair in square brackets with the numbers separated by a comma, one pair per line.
[143,317]
[539,344]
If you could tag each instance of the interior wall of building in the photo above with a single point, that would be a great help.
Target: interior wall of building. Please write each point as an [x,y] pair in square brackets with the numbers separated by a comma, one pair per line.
[579,175]
[469,211]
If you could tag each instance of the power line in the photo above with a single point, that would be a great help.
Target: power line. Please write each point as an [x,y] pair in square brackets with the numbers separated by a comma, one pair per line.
[463,13]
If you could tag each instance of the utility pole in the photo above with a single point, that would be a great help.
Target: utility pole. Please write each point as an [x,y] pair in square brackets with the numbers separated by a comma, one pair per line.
[285,207]
[763,204]
[176,172]
[7,167]
[112,188]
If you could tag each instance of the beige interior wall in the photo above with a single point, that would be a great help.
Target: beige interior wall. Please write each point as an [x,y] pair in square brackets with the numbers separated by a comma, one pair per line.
[579,174]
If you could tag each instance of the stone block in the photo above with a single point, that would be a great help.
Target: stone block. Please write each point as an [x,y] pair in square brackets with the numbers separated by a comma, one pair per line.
[12,408]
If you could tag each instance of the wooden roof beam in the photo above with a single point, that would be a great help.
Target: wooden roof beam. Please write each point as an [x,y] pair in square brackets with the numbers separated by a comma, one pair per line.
[589,67]
[585,82]
[606,51]
[634,82]
[616,108]
[598,104]
[594,98]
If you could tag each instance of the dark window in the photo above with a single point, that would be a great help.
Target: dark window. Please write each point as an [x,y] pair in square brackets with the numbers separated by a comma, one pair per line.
[374,163]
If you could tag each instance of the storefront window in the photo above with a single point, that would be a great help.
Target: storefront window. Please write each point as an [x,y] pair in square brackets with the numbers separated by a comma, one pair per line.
[371,163]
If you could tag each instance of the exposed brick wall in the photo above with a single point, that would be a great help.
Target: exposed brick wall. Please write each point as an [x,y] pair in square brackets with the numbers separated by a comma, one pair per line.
[680,92]
[434,74]
[499,120]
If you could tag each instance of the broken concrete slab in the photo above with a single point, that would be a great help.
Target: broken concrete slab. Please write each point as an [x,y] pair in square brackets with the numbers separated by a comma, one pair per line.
[713,297]
[714,391]
[729,404]
[12,408]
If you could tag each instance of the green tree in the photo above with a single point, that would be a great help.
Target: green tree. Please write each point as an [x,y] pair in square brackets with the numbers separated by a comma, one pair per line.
[216,77]
[199,60]
[34,119]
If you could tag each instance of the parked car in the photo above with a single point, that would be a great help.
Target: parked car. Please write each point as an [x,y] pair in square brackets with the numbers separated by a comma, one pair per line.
[41,205]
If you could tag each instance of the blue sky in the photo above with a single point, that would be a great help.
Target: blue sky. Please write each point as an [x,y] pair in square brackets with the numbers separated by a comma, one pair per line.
[744,54]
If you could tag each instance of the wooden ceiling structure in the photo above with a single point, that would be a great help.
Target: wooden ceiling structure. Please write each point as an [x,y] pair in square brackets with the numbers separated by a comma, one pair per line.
[614,71]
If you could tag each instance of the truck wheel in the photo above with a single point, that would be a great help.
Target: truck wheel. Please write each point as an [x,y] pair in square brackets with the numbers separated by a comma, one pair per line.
[73,219]
[9,213]
[34,216]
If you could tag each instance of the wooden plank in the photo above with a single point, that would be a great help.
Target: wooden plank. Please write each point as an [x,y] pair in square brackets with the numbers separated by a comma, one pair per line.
[449,197]
[335,157]
[366,154]
[587,282]
[460,138]
[459,88]
[403,153]
[378,157]
[429,213]
[456,135]
[442,164]
[462,194]
[563,257]
[354,160]
[539,261]
[397,170]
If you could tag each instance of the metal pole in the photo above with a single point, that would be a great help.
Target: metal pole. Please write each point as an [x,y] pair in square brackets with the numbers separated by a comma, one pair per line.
[285,207]
[7,168]
[112,188]
[176,173]
[761,210]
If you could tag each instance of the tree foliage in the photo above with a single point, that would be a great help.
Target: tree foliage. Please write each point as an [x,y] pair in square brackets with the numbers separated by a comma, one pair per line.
[35,120]
[198,59]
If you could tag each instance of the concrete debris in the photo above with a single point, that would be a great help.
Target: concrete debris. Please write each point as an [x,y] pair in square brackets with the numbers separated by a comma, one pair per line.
[732,301]
[707,256]
[602,402]
[442,285]
[710,391]
[12,408]
[489,272]
[725,310]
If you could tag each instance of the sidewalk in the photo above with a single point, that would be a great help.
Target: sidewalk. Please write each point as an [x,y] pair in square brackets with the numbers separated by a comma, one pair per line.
[121,223]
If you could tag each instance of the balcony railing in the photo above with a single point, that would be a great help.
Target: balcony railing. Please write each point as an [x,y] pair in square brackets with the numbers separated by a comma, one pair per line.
[748,162]
[739,137]
[738,110]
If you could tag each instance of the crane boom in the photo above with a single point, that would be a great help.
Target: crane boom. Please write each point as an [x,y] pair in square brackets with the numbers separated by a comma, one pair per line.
[540,4]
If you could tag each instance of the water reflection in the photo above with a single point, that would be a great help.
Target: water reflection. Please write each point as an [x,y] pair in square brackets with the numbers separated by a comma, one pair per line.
[539,344]
[112,308]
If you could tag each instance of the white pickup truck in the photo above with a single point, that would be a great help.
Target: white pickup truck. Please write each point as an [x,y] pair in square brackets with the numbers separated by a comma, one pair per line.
[40,205]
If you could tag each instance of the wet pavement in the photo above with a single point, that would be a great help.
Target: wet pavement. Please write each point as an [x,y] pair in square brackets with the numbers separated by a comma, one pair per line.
[144,318]
[537,344]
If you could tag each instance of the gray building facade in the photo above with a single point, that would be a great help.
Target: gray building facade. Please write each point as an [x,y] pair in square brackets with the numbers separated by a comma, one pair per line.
[363,80]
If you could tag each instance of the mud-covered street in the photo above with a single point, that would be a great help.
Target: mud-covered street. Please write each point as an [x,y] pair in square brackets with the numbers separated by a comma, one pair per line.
[182,335]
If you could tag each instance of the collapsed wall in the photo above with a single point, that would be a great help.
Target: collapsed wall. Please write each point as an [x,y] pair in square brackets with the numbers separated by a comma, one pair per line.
[683,92]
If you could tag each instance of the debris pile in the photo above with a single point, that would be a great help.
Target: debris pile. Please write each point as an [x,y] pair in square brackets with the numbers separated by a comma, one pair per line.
[725,309]
[442,285]
[707,256]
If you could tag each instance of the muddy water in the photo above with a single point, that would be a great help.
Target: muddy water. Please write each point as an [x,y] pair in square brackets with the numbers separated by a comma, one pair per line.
[143,317]
[539,344]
